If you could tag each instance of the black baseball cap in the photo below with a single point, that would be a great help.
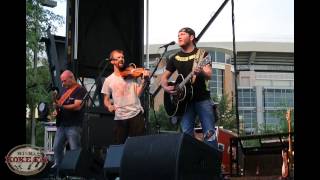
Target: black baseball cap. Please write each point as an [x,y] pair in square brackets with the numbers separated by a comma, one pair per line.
[188,30]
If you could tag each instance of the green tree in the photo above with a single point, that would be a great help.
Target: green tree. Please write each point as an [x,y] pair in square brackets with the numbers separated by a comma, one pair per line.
[162,118]
[282,127]
[38,19]
[226,113]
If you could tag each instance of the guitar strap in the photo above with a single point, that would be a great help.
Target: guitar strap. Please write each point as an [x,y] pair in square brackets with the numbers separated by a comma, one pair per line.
[62,99]
[65,96]
[197,59]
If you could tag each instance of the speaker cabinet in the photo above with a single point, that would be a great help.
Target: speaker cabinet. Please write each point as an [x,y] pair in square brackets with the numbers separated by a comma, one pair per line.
[98,130]
[76,163]
[113,161]
[169,156]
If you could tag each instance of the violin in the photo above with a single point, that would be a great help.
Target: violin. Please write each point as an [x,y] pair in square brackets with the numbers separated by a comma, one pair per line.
[133,72]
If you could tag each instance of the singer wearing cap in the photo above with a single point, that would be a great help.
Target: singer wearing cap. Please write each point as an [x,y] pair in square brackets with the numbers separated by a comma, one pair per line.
[196,63]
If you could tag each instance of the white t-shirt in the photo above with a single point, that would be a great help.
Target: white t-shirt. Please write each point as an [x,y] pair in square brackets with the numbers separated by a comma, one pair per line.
[125,100]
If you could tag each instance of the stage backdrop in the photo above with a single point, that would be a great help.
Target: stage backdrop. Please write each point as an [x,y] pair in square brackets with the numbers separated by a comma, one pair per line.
[104,26]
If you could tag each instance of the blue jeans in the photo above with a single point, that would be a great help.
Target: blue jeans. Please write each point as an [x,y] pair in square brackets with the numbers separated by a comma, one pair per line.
[205,112]
[71,134]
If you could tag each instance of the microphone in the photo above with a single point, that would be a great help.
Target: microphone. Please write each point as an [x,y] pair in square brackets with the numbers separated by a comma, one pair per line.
[169,44]
[107,59]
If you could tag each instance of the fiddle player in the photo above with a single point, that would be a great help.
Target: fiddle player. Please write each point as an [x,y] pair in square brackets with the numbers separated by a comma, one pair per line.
[125,103]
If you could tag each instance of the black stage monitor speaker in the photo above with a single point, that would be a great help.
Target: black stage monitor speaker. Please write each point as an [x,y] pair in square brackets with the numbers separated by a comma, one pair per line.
[98,130]
[113,161]
[76,163]
[170,157]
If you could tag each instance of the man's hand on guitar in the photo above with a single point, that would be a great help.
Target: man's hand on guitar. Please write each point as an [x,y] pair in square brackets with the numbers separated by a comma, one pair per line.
[57,106]
[197,70]
[170,89]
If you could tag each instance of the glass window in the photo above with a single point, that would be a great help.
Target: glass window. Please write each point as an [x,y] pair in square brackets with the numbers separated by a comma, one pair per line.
[247,97]
[278,98]
[220,56]
[216,83]
[213,57]
[228,59]
[249,119]
[272,119]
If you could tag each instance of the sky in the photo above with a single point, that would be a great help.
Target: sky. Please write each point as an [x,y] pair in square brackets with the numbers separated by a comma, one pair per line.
[255,20]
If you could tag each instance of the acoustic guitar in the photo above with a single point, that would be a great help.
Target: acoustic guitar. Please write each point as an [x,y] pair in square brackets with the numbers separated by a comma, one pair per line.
[175,104]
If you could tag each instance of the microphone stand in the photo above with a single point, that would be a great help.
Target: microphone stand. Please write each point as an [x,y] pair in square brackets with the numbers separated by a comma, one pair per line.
[146,88]
[95,82]
[85,98]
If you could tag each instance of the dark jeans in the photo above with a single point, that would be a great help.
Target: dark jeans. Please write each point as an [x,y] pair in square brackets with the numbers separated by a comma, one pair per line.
[134,126]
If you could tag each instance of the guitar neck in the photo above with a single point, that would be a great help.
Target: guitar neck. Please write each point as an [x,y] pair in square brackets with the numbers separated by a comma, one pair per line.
[288,117]
[186,80]
[202,63]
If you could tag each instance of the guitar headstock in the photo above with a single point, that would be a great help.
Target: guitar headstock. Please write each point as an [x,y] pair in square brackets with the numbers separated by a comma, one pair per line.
[288,115]
[206,60]
[54,95]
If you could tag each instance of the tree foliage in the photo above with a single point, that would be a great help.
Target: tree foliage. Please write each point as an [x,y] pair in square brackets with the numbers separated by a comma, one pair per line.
[226,113]
[38,19]
[282,126]
[161,118]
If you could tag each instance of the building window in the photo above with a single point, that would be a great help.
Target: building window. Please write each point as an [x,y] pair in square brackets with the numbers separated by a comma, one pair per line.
[278,98]
[216,83]
[249,120]
[272,119]
[247,97]
[275,102]
[247,109]
[228,59]
[213,56]
[220,57]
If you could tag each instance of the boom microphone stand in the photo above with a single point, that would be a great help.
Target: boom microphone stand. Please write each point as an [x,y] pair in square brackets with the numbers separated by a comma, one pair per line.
[85,98]
[146,89]
[95,82]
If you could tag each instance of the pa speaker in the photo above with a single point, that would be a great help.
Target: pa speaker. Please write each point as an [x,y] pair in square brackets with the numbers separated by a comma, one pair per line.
[113,161]
[169,156]
[76,163]
[98,130]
